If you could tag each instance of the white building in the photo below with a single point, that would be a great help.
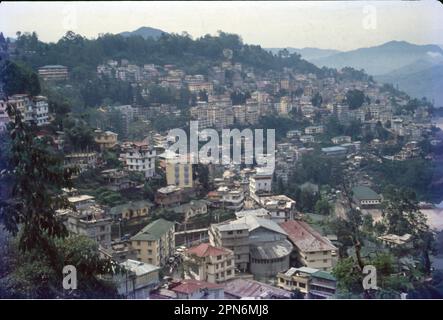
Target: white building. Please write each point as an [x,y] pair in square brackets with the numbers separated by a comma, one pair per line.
[260,183]
[140,157]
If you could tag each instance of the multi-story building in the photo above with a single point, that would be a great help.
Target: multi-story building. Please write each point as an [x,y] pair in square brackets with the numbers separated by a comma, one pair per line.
[53,72]
[133,210]
[155,243]
[4,118]
[81,160]
[140,157]
[105,139]
[209,263]
[32,109]
[179,173]
[310,248]
[280,207]
[234,237]
[137,280]
[312,283]
[260,245]
[260,183]
[314,130]
[40,110]
[89,220]
[366,197]
[192,209]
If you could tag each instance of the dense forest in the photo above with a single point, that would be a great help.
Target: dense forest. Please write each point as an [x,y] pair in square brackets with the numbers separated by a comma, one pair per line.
[82,55]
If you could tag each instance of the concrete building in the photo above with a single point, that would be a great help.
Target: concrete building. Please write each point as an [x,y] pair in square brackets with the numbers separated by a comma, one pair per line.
[81,160]
[89,219]
[280,207]
[131,211]
[32,109]
[137,280]
[195,289]
[310,248]
[209,263]
[234,237]
[4,118]
[105,139]
[179,174]
[192,209]
[259,245]
[314,130]
[155,243]
[295,279]
[140,157]
[365,197]
[251,289]
[53,72]
[312,283]
[260,183]
[40,110]
[335,151]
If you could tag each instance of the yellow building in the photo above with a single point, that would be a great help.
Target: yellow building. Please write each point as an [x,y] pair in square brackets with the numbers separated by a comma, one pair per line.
[155,243]
[208,263]
[132,210]
[295,279]
[179,174]
[105,139]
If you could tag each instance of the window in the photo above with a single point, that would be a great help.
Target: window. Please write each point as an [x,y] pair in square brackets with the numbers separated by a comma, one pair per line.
[219,257]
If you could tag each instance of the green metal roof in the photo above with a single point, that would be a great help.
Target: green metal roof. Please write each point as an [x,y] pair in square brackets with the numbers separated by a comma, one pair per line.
[154,231]
[134,205]
[323,275]
[364,193]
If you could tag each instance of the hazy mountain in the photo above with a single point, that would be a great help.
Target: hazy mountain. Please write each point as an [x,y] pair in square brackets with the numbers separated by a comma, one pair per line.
[422,78]
[381,59]
[307,53]
[145,32]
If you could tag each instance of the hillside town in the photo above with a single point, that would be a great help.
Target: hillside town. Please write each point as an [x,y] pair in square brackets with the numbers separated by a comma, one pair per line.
[236,231]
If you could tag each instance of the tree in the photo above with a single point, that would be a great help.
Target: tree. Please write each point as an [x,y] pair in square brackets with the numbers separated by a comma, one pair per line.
[38,177]
[17,78]
[32,178]
[323,207]
[317,100]
[349,278]
[355,99]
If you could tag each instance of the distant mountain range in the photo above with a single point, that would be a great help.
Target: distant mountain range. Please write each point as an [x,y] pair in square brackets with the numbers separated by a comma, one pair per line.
[415,69]
[145,32]
[380,59]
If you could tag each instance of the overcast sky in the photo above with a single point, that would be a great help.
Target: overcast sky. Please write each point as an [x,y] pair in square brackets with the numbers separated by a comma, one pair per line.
[342,25]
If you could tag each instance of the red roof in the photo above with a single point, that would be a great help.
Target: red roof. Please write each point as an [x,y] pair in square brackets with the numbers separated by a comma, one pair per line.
[205,250]
[304,237]
[191,285]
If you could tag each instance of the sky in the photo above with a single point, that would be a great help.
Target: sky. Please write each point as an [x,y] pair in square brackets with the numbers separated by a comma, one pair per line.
[341,25]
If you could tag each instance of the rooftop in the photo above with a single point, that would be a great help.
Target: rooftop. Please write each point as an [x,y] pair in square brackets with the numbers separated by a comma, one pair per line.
[365,193]
[139,268]
[190,286]
[134,205]
[306,238]
[271,250]
[245,288]
[254,223]
[154,231]
[206,250]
